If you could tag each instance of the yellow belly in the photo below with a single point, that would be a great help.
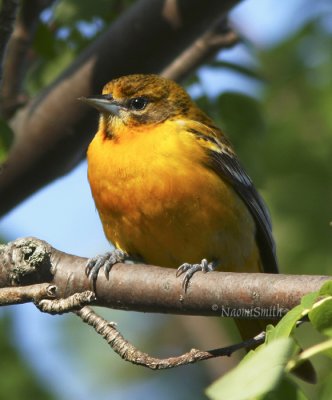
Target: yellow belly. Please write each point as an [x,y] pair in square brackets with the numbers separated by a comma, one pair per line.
[158,201]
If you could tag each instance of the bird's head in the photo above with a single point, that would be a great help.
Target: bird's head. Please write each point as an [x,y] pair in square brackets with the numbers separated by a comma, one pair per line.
[136,100]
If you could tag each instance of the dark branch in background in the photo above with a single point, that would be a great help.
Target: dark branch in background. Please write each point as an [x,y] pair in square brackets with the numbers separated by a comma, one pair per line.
[16,61]
[7,18]
[53,131]
[151,289]
[220,35]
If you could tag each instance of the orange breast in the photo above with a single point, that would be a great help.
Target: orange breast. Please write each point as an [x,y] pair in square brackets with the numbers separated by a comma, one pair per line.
[156,199]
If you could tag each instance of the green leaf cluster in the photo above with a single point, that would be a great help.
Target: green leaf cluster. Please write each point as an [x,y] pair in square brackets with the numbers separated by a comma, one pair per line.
[264,374]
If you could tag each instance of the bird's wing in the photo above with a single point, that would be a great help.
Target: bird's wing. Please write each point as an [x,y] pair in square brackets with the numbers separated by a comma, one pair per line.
[222,160]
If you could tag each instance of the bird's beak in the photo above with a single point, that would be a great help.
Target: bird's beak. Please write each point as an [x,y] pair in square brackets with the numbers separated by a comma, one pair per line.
[102,104]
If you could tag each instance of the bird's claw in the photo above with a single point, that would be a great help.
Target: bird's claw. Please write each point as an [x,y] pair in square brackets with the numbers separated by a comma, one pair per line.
[190,269]
[105,261]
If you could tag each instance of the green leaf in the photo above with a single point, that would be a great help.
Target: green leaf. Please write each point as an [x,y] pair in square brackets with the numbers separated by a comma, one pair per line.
[241,114]
[321,316]
[326,392]
[45,41]
[286,325]
[309,300]
[326,289]
[45,72]
[323,347]
[286,389]
[256,375]
[6,139]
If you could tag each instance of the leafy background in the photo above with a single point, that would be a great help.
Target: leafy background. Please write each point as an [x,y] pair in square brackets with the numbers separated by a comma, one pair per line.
[272,95]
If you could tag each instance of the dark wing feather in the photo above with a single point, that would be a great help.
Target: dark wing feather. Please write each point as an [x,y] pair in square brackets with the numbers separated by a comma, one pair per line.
[228,167]
[224,163]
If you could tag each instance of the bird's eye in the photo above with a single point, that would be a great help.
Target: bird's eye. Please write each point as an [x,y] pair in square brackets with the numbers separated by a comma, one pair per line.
[108,96]
[138,103]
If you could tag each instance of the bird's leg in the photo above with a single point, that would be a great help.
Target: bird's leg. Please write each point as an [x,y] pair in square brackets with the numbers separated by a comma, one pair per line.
[105,261]
[190,269]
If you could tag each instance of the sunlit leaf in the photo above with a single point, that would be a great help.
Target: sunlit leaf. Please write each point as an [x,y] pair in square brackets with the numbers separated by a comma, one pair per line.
[321,316]
[309,300]
[286,325]
[256,375]
[326,289]
[324,347]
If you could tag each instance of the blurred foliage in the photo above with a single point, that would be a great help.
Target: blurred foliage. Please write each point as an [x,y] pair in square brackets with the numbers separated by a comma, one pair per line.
[63,32]
[17,382]
[298,150]
[6,139]
[258,373]
[284,140]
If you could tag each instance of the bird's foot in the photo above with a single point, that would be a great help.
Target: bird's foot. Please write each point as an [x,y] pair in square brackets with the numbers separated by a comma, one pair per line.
[190,269]
[105,261]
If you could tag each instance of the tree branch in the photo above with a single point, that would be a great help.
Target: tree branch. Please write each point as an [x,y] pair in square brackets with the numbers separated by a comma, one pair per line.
[144,39]
[32,270]
[7,19]
[130,353]
[220,35]
[127,351]
[153,289]
[26,294]
[16,64]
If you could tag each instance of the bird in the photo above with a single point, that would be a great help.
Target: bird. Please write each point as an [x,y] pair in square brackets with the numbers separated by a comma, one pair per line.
[169,188]
[171,191]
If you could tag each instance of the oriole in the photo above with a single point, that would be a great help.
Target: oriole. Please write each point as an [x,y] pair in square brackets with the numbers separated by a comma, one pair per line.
[169,188]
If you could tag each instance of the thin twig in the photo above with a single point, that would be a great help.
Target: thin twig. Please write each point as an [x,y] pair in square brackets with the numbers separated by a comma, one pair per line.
[71,303]
[130,353]
[24,294]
